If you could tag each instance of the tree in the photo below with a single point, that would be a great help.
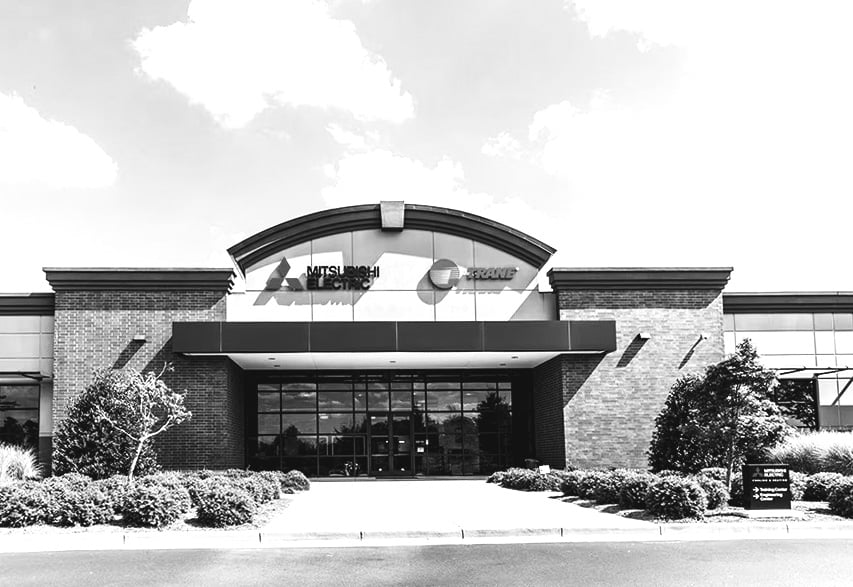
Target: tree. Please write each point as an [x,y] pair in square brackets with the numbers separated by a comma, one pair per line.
[720,419]
[111,425]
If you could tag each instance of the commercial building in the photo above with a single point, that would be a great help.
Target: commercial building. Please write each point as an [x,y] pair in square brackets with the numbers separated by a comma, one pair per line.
[396,339]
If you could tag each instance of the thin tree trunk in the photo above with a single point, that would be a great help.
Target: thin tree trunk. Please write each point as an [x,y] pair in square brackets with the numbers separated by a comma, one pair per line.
[135,460]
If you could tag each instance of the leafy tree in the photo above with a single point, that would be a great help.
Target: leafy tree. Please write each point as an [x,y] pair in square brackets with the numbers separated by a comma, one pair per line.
[110,426]
[720,419]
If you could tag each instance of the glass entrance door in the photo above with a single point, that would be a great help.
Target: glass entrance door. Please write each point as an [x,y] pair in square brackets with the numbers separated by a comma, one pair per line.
[391,443]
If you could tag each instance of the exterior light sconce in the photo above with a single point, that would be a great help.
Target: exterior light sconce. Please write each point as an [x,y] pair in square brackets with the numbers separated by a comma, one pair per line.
[138,338]
[644,336]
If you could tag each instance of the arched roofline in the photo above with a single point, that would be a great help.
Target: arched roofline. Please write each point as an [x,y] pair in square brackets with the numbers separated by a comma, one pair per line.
[275,239]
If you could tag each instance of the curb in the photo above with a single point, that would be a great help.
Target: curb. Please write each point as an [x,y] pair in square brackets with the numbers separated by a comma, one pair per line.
[253,539]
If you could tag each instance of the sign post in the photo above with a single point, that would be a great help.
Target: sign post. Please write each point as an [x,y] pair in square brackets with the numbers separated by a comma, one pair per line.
[767,487]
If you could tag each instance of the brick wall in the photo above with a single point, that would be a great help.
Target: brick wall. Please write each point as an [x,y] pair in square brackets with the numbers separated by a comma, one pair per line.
[94,329]
[609,411]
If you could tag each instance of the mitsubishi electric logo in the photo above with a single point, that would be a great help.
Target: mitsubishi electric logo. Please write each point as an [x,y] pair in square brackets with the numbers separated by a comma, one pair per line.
[332,277]
[445,274]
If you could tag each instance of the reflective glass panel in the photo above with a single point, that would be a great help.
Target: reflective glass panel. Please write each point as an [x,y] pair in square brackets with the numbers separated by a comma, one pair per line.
[269,424]
[335,423]
[299,423]
[401,400]
[443,400]
[300,400]
[269,401]
[299,445]
[377,400]
[335,400]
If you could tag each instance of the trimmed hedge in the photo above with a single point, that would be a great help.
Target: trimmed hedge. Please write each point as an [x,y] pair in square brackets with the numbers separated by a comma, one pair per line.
[295,480]
[154,504]
[841,498]
[607,490]
[589,484]
[224,504]
[819,485]
[634,490]
[676,498]
[716,494]
[23,504]
[570,485]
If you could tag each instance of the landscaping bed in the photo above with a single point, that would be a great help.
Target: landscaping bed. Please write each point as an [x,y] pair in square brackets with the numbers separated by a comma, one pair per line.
[175,501]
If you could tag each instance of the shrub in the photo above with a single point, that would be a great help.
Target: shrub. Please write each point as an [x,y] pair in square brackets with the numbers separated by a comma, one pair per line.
[634,490]
[23,504]
[608,489]
[223,505]
[676,498]
[798,485]
[556,478]
[589,484]
[570,485]
[736,493]
[74,501]
[256,487]
[115,488]
[273,482]
[237,473]
[817,452]
[841,498]
[154,504]
[74,481]
[193,483]
[295,480]
[715,491]
[174,482]
[85,443]
[496,477]
[718,473]
[819,485]
[17,464]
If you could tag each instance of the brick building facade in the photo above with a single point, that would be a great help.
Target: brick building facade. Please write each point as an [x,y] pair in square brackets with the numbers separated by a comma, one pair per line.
[387,339]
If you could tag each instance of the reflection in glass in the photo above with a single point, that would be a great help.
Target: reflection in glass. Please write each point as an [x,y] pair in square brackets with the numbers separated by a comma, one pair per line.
[299,400]
[377,400]
[335,401]
[443,400]
[296,446]
[401,400]
[335,423]
[301,423]
[269,423]
[269,401]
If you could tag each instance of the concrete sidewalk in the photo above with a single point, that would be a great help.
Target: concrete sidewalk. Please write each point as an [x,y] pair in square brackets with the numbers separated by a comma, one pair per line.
[458,508]
[374,513]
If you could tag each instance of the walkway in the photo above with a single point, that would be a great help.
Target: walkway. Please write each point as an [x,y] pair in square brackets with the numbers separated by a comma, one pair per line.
[436,508]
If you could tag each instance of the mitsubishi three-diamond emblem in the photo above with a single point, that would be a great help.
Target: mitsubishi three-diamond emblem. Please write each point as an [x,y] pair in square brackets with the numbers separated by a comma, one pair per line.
[279,276]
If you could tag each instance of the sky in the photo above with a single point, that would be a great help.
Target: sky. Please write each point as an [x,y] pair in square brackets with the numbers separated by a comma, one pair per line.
[623,133]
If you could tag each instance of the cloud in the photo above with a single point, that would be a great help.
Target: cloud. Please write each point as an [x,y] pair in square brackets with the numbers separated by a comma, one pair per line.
[366,175]
[237,59]
[502,145]
[48,153]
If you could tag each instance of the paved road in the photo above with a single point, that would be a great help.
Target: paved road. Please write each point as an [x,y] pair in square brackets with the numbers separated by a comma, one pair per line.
[752,562]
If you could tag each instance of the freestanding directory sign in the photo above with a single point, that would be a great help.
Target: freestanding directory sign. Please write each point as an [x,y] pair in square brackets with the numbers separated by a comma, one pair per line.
[767,487]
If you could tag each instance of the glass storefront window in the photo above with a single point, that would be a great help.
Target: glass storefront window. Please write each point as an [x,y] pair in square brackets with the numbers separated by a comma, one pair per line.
[383,424]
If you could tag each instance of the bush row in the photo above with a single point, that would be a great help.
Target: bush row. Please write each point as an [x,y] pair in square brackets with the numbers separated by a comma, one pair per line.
[221,499]
[671,494]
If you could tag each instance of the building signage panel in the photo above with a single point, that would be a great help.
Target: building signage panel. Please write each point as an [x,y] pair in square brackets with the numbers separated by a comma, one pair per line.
[767,487]
[340,276]
[445,274]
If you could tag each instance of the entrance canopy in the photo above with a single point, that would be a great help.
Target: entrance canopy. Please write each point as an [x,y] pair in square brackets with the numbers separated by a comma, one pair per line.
[393,345]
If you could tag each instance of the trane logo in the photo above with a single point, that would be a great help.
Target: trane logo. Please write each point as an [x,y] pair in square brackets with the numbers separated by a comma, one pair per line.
[445,274]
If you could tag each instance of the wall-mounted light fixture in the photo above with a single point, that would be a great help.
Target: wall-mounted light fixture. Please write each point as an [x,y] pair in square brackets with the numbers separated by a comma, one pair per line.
[644,336]
[703,336]
[138,338]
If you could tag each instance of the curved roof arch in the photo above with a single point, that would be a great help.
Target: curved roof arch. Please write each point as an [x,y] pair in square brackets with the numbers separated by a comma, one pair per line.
[259,246]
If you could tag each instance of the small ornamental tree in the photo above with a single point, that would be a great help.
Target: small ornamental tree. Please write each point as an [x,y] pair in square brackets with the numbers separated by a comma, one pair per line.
[110,426]
[721,419]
